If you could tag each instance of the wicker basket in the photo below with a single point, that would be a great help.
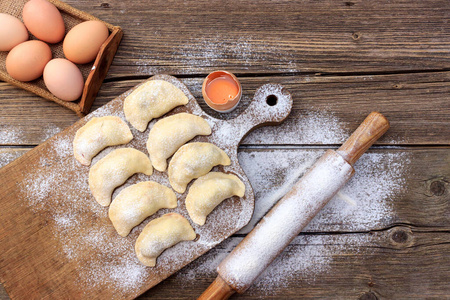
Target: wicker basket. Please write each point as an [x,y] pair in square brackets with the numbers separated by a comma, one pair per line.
[93,73]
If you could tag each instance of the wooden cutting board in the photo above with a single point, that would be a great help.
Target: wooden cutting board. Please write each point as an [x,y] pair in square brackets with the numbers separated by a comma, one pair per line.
[56,241]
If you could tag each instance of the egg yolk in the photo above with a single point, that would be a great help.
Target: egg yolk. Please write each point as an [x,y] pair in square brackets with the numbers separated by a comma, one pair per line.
[222,89]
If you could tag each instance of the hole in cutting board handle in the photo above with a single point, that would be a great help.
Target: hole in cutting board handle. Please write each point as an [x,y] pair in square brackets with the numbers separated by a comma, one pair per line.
[197,237]
[271,100]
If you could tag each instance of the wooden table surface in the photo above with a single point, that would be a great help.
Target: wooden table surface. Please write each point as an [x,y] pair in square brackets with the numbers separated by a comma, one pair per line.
[340,60]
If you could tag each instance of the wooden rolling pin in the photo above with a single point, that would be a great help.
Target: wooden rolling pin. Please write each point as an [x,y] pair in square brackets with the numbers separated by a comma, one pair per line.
[293,212]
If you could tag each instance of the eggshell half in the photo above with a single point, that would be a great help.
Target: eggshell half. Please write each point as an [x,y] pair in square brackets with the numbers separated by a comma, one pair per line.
[44,21]
[12,32]
[63,79]
[82,43]
[26,61]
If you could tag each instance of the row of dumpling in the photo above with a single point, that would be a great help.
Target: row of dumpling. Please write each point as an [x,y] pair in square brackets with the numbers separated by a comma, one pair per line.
[166,136]
[194,160]
[139,201]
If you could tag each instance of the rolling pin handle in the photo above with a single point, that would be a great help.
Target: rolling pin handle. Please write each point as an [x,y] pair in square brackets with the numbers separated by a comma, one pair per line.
[373,127]
[218,290]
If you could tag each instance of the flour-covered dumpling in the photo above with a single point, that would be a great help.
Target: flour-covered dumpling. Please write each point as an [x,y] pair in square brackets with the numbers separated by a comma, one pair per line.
[97,134]
[151,100]
[114,169]
[160,234]
[209,191]
[170,133]
[192,161]
[137,202]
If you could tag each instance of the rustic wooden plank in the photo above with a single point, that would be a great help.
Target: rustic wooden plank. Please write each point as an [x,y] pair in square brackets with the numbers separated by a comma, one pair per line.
[27,119]
[381,261]
[396,183]
[301,38]
[402,262]
[326,109]
[391,186]
[49,268]
[8,155]
[196,37]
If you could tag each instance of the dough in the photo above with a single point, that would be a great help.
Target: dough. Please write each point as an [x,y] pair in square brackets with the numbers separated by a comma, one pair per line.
[170,133]
[192,161]
[209,191]
[97,134]
[151,100]
[160,234]
[114,169]
[137,202]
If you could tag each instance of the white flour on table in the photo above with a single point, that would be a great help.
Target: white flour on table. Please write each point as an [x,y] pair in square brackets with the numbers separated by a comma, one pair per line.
[367,203]
[10,135]
[50,130]
[7,156]
[378,177]
[313,127]
[208,51]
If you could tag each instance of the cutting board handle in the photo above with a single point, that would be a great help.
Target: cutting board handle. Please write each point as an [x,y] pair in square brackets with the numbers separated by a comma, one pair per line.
[271,104]
[373,127]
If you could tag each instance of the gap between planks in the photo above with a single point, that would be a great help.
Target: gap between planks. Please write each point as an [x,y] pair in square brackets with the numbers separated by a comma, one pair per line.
[406,147]
[416,228]
[289,74]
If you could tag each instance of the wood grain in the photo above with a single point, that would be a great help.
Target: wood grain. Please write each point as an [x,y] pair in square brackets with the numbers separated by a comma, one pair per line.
[319,189]
[417,105]
[218,290]
[340,60]
[35,263]
[99,71]
[423,261]
[421,269]
[8,155]
[422,201]
[413,267]
[197,37]
[370,130]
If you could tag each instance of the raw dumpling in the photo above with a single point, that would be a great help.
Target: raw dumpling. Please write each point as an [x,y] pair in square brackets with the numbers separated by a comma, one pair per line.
[170,133]
[97,134]
[114,169]
[209,191]
[160,234]
[192,161]
[151,100]
[137,202]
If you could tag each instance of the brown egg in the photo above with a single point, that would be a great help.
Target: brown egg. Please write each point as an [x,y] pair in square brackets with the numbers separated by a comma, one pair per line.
[63,79]
[44,21]
[82,43]
[26,61]
[12,32]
